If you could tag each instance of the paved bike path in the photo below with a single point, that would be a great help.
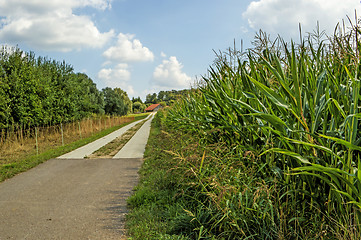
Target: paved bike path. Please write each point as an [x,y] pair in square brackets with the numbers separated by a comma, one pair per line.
[88,149]
[67,198]
[136,145]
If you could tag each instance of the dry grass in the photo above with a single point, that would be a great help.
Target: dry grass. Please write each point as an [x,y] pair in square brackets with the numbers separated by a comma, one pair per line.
[18,143]
[112,148]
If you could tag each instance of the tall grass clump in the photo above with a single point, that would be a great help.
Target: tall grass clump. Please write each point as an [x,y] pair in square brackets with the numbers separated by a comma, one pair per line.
[286,117]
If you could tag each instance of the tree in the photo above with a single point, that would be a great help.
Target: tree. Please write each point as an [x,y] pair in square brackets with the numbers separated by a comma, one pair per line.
[126,101]
[161,96]
[151,98]
[4,105]
[116,101]
[165,96]
[39,91]
[91,100]
[138,107]
[137,100]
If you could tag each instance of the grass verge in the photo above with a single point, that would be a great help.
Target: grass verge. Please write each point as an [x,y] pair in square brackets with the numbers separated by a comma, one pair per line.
[191,189]
[21,165]
[154,204]
[112,148]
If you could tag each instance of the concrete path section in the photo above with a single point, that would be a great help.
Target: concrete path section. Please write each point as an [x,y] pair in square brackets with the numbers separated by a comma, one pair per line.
[136,145]
[68,199]
[88,149]
[74,198]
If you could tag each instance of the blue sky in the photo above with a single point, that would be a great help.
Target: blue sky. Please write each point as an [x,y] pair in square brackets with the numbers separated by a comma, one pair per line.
[145,46]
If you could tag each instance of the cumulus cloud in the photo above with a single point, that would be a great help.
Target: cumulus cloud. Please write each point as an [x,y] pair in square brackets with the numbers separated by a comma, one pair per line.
[128,49]
[169,75]
[162,54]
[120,72]
[283,16]
[18,7]
[118,76]
[51,25]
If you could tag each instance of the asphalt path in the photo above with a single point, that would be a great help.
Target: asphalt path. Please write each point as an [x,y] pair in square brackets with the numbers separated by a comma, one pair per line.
[68,198]
[136,145]
[88,149]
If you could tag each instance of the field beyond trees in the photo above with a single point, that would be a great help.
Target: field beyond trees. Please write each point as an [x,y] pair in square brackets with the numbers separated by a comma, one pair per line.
[267,147]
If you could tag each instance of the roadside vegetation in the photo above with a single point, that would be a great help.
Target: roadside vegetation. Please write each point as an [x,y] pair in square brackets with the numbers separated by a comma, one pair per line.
[112,148]
[46,109]
[37,91]
[165,98]
[20,154]
[266,147]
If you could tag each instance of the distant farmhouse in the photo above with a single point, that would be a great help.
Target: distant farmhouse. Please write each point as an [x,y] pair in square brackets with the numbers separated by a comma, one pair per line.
[153,108]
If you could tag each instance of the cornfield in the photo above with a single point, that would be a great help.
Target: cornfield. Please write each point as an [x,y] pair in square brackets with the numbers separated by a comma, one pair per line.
[296,109]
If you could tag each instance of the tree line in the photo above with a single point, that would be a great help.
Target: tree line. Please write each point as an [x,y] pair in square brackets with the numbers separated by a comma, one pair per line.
[165,97]
[40,91]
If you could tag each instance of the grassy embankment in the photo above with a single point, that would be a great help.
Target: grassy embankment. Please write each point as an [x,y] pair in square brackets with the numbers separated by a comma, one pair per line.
[268,147]
[24,160]
[194,190]
[152,205]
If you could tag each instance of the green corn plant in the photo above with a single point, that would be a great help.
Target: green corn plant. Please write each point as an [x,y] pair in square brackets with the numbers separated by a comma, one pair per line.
[339,172]
[297,108]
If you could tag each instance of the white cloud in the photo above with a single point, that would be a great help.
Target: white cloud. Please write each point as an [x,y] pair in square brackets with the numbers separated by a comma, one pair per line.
[169,75]
[51,25]
[128,49]
[118,73]
[19,7]
[162,54]
[118,76]
[283,16]
[128,88]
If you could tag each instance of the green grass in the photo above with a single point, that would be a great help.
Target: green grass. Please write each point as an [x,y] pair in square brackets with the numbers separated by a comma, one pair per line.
[153,204]
[138,115]
[179,189]
[194,190]
[24,164]
[267,147]
[112,148]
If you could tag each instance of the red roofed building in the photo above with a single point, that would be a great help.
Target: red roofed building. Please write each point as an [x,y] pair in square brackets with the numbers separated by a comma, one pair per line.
[153,108]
